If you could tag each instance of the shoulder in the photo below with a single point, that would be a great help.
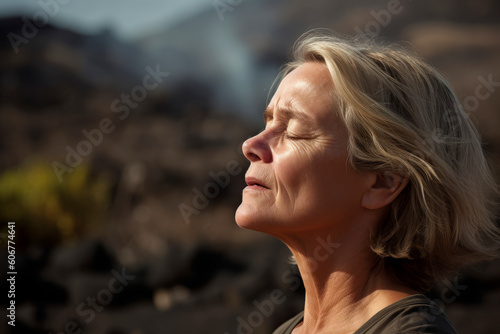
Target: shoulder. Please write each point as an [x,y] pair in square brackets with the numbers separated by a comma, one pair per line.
[411,315]
[290,324]
[414,314]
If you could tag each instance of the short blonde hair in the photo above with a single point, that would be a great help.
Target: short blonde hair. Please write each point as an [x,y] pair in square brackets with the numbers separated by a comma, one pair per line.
[402,115]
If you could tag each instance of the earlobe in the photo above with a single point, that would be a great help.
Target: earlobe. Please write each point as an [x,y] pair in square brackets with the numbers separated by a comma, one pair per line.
[385,187]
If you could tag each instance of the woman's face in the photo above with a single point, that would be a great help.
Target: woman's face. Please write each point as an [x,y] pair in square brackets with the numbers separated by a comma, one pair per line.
[299,178]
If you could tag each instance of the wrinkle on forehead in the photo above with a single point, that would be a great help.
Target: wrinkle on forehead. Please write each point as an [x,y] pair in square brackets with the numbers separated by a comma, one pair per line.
[308,88]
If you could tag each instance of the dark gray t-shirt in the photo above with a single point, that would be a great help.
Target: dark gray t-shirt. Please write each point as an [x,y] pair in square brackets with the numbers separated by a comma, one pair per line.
[410,315]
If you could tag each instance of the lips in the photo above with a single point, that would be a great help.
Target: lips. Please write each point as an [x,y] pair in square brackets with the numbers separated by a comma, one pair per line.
[255,183]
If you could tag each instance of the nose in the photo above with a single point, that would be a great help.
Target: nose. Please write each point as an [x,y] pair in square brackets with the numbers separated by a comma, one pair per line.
[257,148]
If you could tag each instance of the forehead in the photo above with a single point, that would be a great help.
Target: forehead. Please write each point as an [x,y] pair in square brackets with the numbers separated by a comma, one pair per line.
[308,88]
[313,72]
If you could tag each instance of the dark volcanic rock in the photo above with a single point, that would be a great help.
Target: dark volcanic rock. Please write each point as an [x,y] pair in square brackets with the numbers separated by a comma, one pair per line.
[86,256]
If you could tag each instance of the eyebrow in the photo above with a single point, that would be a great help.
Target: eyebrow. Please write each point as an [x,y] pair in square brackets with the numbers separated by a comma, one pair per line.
[288,113]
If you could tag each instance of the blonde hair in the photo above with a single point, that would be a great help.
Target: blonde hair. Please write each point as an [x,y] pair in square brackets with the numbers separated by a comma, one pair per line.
[402,116]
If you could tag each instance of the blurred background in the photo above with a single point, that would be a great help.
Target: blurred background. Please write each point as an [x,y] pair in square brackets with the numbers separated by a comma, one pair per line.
[121,125]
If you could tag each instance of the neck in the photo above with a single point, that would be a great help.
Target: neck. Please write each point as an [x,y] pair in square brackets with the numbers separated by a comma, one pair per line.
[343,290]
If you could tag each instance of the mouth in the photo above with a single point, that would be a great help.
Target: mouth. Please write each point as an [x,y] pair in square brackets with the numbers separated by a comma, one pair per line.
[255,184]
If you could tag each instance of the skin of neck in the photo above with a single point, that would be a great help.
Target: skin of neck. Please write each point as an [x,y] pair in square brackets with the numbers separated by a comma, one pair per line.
[343,286]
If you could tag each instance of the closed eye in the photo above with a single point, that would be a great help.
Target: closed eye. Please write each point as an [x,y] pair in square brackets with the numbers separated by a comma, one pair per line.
[299,135]
[287,135]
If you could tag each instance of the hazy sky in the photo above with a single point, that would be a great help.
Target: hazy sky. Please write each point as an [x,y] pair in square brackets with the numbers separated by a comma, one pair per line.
[127,18]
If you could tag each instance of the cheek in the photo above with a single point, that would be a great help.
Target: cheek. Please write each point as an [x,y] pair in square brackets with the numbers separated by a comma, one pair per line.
[315,180]
[292,168]
[298,174]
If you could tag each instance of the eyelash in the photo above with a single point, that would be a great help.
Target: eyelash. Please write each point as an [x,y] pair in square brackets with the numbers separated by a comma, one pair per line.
[286,135]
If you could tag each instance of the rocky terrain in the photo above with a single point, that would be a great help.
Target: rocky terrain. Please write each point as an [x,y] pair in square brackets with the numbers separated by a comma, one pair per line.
[139,237]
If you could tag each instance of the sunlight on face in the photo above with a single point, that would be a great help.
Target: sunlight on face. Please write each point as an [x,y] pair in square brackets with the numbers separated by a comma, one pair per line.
[299,178]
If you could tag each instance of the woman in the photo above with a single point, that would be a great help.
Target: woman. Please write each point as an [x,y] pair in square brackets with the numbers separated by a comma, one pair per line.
[367,148]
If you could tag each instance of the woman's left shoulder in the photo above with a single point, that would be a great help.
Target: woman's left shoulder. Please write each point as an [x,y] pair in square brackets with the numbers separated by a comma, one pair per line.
[414,314]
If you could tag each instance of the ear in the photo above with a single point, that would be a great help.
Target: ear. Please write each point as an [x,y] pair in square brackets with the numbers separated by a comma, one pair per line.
[385,187]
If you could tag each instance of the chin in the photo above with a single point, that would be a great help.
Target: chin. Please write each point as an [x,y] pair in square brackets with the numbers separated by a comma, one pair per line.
[257,220]
[250,219]
[244,218]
